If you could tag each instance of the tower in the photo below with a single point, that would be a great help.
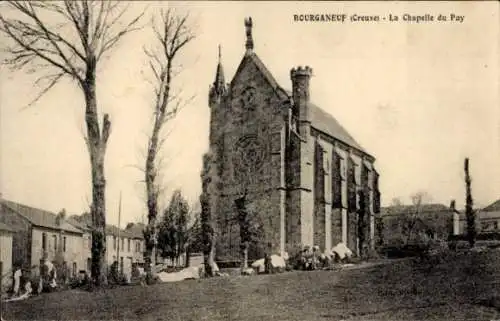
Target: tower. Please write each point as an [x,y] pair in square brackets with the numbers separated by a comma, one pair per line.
[218,88]
[300,77]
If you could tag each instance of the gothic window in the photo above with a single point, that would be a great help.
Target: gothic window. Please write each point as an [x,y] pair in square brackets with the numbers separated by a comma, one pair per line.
[357,173]
[343,169]
[248,98]
[248,157]
[370,179]
[326,163]
[336,180]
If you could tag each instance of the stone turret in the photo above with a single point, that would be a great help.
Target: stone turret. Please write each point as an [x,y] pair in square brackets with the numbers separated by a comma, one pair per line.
[300,77]
[218,88]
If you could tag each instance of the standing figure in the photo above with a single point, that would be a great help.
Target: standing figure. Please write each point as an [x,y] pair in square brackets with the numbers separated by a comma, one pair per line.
[17,280]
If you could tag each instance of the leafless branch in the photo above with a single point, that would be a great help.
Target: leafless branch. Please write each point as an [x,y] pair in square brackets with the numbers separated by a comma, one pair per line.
[37,44]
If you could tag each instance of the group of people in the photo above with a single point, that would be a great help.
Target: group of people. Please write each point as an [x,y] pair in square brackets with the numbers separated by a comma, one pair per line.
[311,258]
[23,286]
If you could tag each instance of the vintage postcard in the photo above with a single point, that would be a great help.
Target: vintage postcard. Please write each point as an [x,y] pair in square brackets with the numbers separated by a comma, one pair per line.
[267,160]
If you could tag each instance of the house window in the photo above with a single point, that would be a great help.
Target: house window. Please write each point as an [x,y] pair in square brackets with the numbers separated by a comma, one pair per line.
[90,242]
[128,245]
[54,237]
[64,244]
[495,225]
[123,243]
[114,242]
[74,268]
[121,264]
[44,241]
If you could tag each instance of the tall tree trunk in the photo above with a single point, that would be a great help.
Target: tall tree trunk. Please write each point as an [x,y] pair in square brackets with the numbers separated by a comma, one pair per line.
[469,212]
[152,191]
[97,143]
[188,257]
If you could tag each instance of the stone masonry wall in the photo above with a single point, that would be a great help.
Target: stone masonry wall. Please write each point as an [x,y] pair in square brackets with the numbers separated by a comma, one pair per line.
[251,119]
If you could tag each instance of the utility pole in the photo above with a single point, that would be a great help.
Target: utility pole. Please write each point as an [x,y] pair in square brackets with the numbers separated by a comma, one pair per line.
[1,277]
[118,245]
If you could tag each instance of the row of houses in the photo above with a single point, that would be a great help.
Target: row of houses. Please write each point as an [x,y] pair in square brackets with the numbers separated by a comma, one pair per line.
[403,223]
[487,219]
[29,235]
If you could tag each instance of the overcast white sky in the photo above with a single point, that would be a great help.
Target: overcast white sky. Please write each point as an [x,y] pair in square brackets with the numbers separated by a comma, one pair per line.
[419,97]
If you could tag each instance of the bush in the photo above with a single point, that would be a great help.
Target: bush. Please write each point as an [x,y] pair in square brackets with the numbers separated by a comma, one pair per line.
[408,250]
[372,254]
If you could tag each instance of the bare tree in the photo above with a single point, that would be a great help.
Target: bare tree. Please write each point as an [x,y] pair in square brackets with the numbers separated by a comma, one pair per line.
[172,35]
[67,40]
[413,215]
[396,201]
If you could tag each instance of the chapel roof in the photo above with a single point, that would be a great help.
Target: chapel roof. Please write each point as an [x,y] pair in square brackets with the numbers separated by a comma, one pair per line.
[320,119]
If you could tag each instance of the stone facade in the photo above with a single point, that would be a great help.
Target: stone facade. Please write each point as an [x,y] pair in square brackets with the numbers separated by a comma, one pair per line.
[296,167]
[6,233]
[41,234]
[49,242]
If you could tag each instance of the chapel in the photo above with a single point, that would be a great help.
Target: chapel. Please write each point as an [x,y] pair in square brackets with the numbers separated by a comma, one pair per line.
[287,166]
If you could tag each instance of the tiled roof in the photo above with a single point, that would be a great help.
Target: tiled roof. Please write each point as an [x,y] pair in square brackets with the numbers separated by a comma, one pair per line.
[82,222]
[39,217]
[4,227]
[320,119]
[405,209]
[495,206]
[323,121]
[482,215]
[78,224]
[114,230]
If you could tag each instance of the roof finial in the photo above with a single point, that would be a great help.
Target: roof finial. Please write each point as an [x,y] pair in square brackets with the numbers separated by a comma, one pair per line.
[220,55]
[248,27]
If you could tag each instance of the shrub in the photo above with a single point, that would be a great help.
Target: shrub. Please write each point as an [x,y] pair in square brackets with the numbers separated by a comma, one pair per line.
[371,254]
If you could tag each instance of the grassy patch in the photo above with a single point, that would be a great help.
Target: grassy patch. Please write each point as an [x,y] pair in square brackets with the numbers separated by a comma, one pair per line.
[463,287]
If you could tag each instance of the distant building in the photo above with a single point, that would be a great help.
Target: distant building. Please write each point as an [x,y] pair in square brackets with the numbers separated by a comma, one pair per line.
[487,219]
[136,230]
[6,234]
[125,246]
[427,221]
[299,171]
[41,234]
[86,253]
